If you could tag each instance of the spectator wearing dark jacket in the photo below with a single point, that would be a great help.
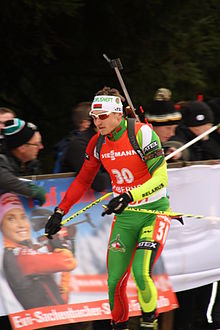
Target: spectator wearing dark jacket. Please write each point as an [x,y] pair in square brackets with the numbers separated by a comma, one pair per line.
[197,119]
[74,154]
[23,143]
[215,106]
[199,307]
[80,122]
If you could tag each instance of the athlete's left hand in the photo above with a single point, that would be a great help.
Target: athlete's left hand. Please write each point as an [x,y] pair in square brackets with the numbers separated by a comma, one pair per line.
[118,204]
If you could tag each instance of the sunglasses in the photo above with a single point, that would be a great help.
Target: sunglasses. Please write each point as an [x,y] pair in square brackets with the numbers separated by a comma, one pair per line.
[101,116]
[38,144]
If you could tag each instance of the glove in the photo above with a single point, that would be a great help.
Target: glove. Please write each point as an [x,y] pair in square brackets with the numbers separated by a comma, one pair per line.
[118,204]
[38,193]
[53,224]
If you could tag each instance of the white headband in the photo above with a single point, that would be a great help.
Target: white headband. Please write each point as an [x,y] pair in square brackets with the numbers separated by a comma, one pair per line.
[107,103]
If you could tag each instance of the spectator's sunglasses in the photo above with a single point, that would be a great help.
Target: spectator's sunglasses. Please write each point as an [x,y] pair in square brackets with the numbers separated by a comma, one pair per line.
[101,116]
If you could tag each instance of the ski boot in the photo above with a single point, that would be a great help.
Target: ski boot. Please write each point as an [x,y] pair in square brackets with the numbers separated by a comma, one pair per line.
[149,324]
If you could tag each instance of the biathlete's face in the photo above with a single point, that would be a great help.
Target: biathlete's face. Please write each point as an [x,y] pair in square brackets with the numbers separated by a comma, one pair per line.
[15,225]
[106,122]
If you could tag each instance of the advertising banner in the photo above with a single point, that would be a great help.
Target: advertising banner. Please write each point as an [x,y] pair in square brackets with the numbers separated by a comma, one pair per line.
[192,251]
[49,282]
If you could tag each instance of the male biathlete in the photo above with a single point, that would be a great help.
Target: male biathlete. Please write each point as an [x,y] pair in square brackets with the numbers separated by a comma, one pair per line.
[136,239]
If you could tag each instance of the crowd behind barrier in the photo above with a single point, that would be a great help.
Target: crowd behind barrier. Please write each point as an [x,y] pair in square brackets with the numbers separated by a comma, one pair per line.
[172,256]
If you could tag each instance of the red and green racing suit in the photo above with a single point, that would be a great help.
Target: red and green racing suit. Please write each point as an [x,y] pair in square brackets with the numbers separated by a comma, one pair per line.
[136,239]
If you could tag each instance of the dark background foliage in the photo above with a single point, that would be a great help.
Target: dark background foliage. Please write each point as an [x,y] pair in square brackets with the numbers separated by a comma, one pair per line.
[52,55]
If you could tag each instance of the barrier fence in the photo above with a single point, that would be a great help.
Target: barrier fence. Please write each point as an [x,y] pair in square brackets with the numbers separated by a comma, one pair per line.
[73,265]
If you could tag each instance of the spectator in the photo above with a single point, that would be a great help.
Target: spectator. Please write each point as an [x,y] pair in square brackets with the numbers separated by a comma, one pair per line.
[199,307]
[163,115]
[197,118]
[215,106]
[164,118]
[80,123]
[5,114]
[74,154]
[23,143]
[29,271]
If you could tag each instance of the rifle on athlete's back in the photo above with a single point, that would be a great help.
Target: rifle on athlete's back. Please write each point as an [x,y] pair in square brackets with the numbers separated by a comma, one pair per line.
[117,66]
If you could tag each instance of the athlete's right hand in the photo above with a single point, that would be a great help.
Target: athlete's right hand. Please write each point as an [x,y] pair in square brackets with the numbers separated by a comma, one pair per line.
[53,224]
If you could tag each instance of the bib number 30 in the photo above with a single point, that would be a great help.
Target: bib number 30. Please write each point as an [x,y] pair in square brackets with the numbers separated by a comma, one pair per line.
[123,176]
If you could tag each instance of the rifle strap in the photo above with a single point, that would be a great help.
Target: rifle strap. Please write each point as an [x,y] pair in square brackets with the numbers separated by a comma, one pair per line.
[133,141]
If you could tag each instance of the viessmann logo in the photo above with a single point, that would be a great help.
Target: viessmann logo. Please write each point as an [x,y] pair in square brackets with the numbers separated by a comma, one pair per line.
[115,154]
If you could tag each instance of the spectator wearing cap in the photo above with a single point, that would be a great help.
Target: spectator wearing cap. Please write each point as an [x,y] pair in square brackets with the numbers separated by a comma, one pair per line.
[23,143]
[194,303]
[215,106]
[163,115]
[197,118]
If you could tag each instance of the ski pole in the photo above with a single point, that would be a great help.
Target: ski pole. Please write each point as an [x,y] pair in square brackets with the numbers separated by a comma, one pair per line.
[188,144]
[171,214]
[64,221]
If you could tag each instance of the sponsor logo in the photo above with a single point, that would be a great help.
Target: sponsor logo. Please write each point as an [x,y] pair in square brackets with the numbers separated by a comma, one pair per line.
[116,245]
[113,155]
[151,147]
[200,117]
[120,190]
[147,233]
[103,99]
[147,245]
[150,192]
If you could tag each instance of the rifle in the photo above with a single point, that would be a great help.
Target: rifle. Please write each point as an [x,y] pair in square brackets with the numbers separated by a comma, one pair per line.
[117,66]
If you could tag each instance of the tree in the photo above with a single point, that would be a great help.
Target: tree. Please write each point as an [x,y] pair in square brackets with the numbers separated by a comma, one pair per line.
[52,54]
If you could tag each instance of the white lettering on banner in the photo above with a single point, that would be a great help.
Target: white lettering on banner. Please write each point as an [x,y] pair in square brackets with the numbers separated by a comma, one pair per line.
[70,315]
[106,308]
[115,154]
[53,315]
[162,302]
[21,322]
[134,305]
[122,176]
[162,283]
